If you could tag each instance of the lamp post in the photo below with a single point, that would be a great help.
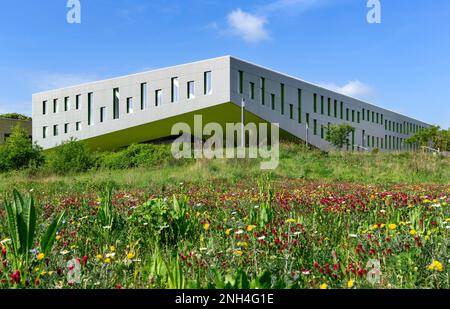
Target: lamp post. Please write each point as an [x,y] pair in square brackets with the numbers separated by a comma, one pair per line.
[243,123]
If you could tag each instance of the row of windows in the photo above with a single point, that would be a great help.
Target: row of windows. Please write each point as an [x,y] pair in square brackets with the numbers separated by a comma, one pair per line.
[190,85]
[333,108]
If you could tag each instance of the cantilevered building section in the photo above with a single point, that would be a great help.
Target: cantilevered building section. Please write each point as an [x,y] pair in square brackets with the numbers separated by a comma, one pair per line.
[143,107]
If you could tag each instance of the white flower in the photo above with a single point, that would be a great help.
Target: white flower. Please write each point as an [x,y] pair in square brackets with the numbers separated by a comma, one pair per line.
[262,238]
[256,206]
[383,211]
[239,232]
[353,235]
[306,272]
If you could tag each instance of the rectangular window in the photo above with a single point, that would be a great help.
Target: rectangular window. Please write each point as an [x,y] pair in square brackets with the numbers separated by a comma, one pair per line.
[329,107]
[66,104]
[252,91]
[144,98]
[158,97]
[66,128]
[382,119]
[363,138]
[378,118]
[44,132]
[359,117]
[382,143]
[342,110]
[78,126]
[175,86]
[315,103]
[353,140]
[368,140]
[299,109]
[307,119]
[373,141]
[373,117]
[282,98]
[208,82]
[272,99]
[77,101]
[385,125]
[378,142]
[55,130]
[116,103]
[347,114]
[191,90]
[55,106]
[102,114]
[44,107]
[322,133]
[315,127]
[353,115]
[335,109]
[241,82]
[368,115]
[291,111]
[129,105]
[363,114]
[262,83]
[321,105]
[90,108]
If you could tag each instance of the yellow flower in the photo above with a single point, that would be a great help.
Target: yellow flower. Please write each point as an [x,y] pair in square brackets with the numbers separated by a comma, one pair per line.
[392,226]
[290,220]
[99,257]
[242,244]
[130,255]
[413,232]
[436,266]
[238,252]
[43,273]
[323,286]
[108,261]
[112,248]
[40,256]
[228,231]
[427,237]
[58,237]
[448,219]
[402,223]
[350,283]
[444,203]
[206,226]
[250,228]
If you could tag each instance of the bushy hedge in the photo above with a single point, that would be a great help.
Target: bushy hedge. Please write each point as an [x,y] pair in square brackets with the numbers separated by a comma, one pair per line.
[136,155]
[70,157]
[18,152]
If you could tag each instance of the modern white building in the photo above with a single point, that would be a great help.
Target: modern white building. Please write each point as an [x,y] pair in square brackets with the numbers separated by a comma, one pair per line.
[143,107]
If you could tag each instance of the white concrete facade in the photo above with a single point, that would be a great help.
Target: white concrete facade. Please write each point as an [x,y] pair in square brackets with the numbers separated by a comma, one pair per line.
[57,117]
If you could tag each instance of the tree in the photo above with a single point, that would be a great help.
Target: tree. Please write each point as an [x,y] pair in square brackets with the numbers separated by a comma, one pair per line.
[15,116]
[338,135]
[19,152]
[71,156]
[440,139]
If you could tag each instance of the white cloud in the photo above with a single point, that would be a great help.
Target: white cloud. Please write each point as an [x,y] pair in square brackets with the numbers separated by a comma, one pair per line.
[249,27]
[354,89]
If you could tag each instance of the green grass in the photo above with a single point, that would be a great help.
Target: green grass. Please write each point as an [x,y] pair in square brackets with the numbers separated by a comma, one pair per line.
[295,163]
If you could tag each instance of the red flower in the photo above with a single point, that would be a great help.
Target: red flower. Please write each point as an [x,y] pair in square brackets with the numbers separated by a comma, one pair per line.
[15,277]
[85,259]
[118,286]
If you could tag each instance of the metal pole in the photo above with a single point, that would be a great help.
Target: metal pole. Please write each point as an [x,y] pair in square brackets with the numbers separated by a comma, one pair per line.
[243,123]
[307,128]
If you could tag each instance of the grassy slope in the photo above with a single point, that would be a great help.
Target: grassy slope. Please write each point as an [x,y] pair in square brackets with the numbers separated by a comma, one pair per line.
[295,163]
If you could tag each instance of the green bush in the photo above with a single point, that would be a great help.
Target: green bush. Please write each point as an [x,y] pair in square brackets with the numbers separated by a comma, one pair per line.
[136,155]
[70,157]
[18,152]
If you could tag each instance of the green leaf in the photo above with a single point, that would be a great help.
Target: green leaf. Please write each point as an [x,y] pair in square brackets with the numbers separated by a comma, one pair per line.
[11,214]
[50,235]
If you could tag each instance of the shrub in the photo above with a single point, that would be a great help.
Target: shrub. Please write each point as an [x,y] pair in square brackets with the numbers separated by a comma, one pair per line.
[19,152]
[70,157]
[338,135]
[136,155]
[15,116]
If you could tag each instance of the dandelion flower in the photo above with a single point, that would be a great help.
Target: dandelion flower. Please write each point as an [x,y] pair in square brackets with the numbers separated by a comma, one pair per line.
[108,261]
[112,248]
[290,220]
[58,237]
[413,232]
[392,226]
[436,266]
[350,283]
[238,252]
[206,226]
[130,255]
[250,228]
[40,256]
[99,257]
[228,232]
[323,286]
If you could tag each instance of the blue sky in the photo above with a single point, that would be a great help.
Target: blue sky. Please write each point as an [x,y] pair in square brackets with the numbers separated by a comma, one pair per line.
[402,64]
